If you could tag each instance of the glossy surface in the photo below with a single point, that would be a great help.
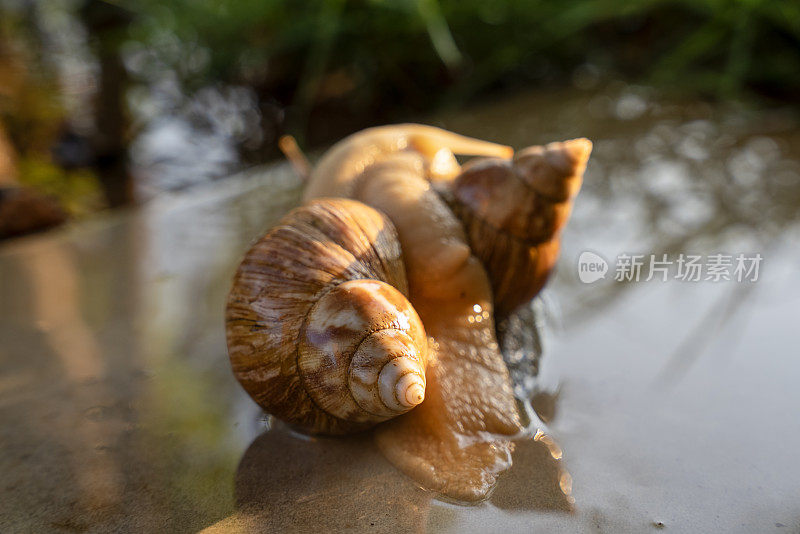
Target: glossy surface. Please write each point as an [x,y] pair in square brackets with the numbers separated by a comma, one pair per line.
[676,406]
[514,212]
[301,303]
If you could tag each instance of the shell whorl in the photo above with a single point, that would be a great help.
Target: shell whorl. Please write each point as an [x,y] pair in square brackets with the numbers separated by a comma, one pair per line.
[362,334]
[319,330]
[513,212]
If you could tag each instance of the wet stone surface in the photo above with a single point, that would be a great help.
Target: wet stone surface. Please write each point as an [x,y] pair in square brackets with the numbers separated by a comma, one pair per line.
[669,405]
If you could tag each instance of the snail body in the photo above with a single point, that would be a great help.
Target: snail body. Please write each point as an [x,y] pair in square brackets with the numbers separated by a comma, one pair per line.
[397,202]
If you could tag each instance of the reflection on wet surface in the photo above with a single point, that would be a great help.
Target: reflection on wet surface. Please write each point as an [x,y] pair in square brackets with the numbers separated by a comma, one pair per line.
[665,403]
[537,480]
[286,482]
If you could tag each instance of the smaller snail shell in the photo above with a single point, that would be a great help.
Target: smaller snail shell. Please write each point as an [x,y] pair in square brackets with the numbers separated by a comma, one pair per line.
[513,212]
[320,332]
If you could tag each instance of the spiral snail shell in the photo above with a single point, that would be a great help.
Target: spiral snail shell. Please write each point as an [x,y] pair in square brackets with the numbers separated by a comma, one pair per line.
[325,318]
[320,332]
[513,211]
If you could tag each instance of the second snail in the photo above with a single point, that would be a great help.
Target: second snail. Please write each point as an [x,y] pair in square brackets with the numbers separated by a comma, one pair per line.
[374,303]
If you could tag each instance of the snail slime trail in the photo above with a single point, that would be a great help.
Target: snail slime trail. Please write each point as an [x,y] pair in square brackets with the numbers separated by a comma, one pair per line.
[374,303]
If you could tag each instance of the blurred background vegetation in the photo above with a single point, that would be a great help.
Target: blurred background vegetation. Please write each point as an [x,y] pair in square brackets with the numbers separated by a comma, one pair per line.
[107,103]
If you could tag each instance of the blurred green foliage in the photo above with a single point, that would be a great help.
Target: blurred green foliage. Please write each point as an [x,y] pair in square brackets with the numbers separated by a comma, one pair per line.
[32,113]
[30,107]
[383,58]
[320,69]
[77,190]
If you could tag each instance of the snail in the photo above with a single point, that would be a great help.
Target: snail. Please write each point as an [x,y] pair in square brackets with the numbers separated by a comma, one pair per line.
[373,303]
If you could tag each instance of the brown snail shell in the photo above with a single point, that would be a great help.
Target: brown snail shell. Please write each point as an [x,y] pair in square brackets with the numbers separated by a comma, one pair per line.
[513,212]
[319,331]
